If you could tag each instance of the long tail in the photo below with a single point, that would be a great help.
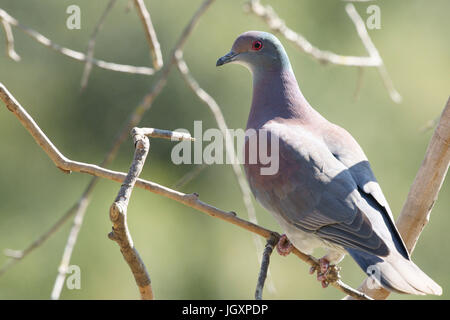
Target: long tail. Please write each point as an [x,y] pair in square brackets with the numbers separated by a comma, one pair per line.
[396,273]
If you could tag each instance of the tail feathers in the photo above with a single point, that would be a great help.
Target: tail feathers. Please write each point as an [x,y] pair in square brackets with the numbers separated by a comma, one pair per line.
[396,273]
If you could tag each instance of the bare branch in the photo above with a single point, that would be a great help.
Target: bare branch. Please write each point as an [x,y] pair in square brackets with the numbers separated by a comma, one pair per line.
[191,200]
[270,244]
[278,25]
[67,166]
[91,45]
[68,249]
[373,60]
[17,255]
[221,123]
[373,51]
[163,134]
[147,102]
[220,120]
[133,120]
[150,33]
[118,215]
[425,188]
[9,40]
[76,55]
[423,193]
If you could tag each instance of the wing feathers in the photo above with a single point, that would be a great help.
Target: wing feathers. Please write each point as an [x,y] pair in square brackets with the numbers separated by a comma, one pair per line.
[332,213]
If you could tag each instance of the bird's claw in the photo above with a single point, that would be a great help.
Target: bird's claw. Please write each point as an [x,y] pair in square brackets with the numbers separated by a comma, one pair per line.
[326,273]
[284,246]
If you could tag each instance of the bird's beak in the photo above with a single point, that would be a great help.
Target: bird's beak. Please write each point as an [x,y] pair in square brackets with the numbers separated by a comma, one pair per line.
[230,56]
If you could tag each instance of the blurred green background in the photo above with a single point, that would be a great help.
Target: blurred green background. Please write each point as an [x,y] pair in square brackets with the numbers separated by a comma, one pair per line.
[188,254]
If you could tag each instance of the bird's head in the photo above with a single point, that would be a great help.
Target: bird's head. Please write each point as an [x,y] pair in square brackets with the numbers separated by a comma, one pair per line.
[258,51]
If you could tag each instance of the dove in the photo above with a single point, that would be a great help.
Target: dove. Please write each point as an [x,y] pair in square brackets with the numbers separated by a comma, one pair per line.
[324,193]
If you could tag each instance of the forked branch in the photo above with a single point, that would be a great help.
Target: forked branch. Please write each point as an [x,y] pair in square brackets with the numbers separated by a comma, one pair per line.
[192,200]
[118,215]
[276,24]
[76,55]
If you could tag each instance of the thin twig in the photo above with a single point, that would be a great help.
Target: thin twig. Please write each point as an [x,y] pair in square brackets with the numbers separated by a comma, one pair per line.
[192,200]
[423,193]
[10,51]
[118,214]
[17,255]
[221,123]
[91,45]
[163,134]
[133,120]
[265,261]
[147,102]
[70,245]
[21,254]
[278,25]
[372,51]
[150,33]
[76,55]
[82,204]
[189,176]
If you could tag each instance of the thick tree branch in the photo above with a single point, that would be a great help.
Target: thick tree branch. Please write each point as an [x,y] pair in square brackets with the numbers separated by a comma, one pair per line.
[191,200]
[118,215]
[425,189]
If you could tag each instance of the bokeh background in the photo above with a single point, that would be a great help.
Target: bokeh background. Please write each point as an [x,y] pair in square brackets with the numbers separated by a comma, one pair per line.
[190,255]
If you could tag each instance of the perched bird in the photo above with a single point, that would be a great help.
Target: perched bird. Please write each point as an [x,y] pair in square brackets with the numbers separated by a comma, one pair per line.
[324,193]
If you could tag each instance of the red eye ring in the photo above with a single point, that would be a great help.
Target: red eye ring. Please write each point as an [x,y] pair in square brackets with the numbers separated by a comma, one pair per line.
[257,45]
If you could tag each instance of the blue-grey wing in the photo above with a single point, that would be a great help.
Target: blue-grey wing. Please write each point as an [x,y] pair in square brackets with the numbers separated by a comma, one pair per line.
[345,148]
[315,192]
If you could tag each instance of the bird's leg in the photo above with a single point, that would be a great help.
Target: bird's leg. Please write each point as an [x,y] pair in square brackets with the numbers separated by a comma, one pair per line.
[284,246]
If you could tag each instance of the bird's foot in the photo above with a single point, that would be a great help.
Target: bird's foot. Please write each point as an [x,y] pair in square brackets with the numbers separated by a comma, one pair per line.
[284,246]
[326,272]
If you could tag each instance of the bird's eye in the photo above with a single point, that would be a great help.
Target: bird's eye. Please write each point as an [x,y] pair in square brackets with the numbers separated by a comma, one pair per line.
[257,45]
